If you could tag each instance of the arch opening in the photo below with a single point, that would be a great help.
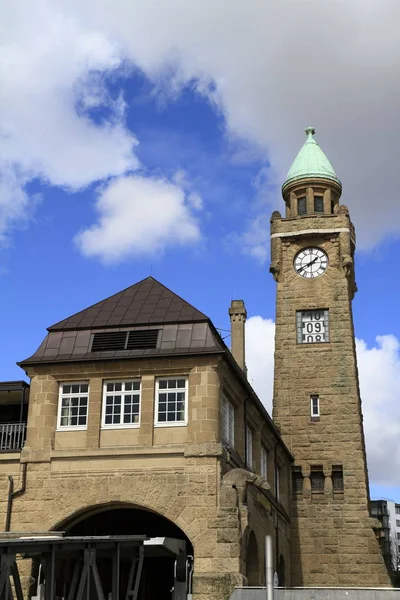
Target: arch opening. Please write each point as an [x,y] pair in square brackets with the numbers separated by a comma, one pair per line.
[167,564]
[252,563]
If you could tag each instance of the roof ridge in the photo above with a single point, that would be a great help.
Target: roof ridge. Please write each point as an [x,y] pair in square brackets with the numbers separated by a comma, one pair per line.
[131,306]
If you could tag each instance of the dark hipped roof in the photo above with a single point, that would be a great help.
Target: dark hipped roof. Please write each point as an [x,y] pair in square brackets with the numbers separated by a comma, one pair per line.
[148,302]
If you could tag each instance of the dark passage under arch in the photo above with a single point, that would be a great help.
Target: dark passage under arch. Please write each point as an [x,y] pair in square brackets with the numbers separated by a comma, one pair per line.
[159,566]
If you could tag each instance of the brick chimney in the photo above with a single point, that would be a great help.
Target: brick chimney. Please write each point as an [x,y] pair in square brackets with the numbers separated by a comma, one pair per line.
[238,315]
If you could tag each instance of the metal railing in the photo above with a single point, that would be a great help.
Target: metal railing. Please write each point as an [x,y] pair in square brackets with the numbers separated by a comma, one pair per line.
[12,436]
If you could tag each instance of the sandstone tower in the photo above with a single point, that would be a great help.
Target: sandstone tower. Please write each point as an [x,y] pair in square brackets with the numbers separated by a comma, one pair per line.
[317,403]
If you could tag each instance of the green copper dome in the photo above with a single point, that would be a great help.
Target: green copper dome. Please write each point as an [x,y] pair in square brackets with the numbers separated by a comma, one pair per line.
[310,162]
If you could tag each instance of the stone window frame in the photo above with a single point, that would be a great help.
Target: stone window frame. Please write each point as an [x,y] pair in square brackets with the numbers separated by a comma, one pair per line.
[122,393]
[228,421]
[315,414]
[249,447]
[72,395]
[264,462]
[182,423]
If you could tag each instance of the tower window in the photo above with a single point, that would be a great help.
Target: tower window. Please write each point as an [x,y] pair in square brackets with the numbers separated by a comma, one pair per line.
[317,479]
[297,480]
[314,406]
[332,207]
[337,478]
[318,204]
[301,206]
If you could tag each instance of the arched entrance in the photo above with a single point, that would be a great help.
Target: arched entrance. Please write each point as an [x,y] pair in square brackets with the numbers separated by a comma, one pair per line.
[281,571]
[165,566]
[252,563]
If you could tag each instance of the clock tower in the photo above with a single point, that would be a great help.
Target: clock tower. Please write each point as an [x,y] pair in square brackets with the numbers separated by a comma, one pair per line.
[316,403]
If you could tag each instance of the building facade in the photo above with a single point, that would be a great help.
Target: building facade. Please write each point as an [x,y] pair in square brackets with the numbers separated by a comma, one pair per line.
[316,403]
[388,513]
[142,421]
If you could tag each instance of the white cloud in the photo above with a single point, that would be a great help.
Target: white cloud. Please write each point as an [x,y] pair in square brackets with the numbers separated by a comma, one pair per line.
[139,216]
[50,65]
[274,67]
[379,371]
[260,340]
[270,67]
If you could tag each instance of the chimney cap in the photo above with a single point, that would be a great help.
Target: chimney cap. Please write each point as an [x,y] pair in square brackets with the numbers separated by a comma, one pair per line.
[237,308]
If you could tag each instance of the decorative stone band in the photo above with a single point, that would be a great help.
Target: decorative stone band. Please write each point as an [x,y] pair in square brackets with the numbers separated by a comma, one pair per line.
[312,232]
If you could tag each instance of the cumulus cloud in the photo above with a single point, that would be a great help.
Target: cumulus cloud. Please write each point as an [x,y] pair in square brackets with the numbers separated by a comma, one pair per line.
[379,368]
[260,340]
[52,70]
[379,372]
[139,216]
[270,68]
[273,67]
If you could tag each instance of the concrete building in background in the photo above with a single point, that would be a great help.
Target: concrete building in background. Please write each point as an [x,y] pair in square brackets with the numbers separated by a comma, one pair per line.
[388,513]
[142,421]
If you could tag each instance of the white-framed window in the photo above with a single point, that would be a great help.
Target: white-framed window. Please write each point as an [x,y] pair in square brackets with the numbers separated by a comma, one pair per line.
[121,404]
[171,401]
[73,404]
[314,401]
[397,510]
[397,522]
[264,463]
[277,482]
[228,422]
[249,448]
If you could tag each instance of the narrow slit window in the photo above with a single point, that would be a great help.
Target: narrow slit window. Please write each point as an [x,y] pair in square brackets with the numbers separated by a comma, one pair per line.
[228,422]
[318,204]
[264,463]
[314,406]
[297,480]
[337,478]
[249,448]
[301,206]
[317,479]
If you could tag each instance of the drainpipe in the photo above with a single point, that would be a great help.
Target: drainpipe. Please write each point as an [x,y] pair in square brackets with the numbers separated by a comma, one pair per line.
[12,494]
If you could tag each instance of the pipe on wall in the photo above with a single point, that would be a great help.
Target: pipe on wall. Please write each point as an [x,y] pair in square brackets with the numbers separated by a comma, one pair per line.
[14,494]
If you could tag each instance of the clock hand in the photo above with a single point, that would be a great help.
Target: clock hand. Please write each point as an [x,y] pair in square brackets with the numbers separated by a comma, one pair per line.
[307,265]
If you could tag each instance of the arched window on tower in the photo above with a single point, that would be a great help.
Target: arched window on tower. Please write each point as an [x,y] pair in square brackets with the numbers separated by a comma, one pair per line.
[318,204]
[301,206]
[297,480]
[317,479]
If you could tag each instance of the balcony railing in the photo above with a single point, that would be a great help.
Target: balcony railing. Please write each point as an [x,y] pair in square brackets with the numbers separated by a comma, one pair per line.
[12,436]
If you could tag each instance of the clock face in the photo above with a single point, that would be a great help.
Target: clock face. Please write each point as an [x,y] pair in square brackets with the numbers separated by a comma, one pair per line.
[311,262]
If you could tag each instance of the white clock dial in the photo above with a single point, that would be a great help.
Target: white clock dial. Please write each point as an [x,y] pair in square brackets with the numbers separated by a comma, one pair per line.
[311,262]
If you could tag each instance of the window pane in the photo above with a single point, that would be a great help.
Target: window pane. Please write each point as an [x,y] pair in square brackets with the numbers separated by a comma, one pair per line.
[117,387]
[162,384]
[110,387]
[66,389]
[75,389]
[301,206]
[84,388]
[181,383]
[318,204]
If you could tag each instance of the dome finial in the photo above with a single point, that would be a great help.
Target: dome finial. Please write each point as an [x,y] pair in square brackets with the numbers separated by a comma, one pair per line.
[310,131]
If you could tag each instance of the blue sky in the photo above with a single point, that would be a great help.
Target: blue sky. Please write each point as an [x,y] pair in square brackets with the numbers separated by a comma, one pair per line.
[193,132]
